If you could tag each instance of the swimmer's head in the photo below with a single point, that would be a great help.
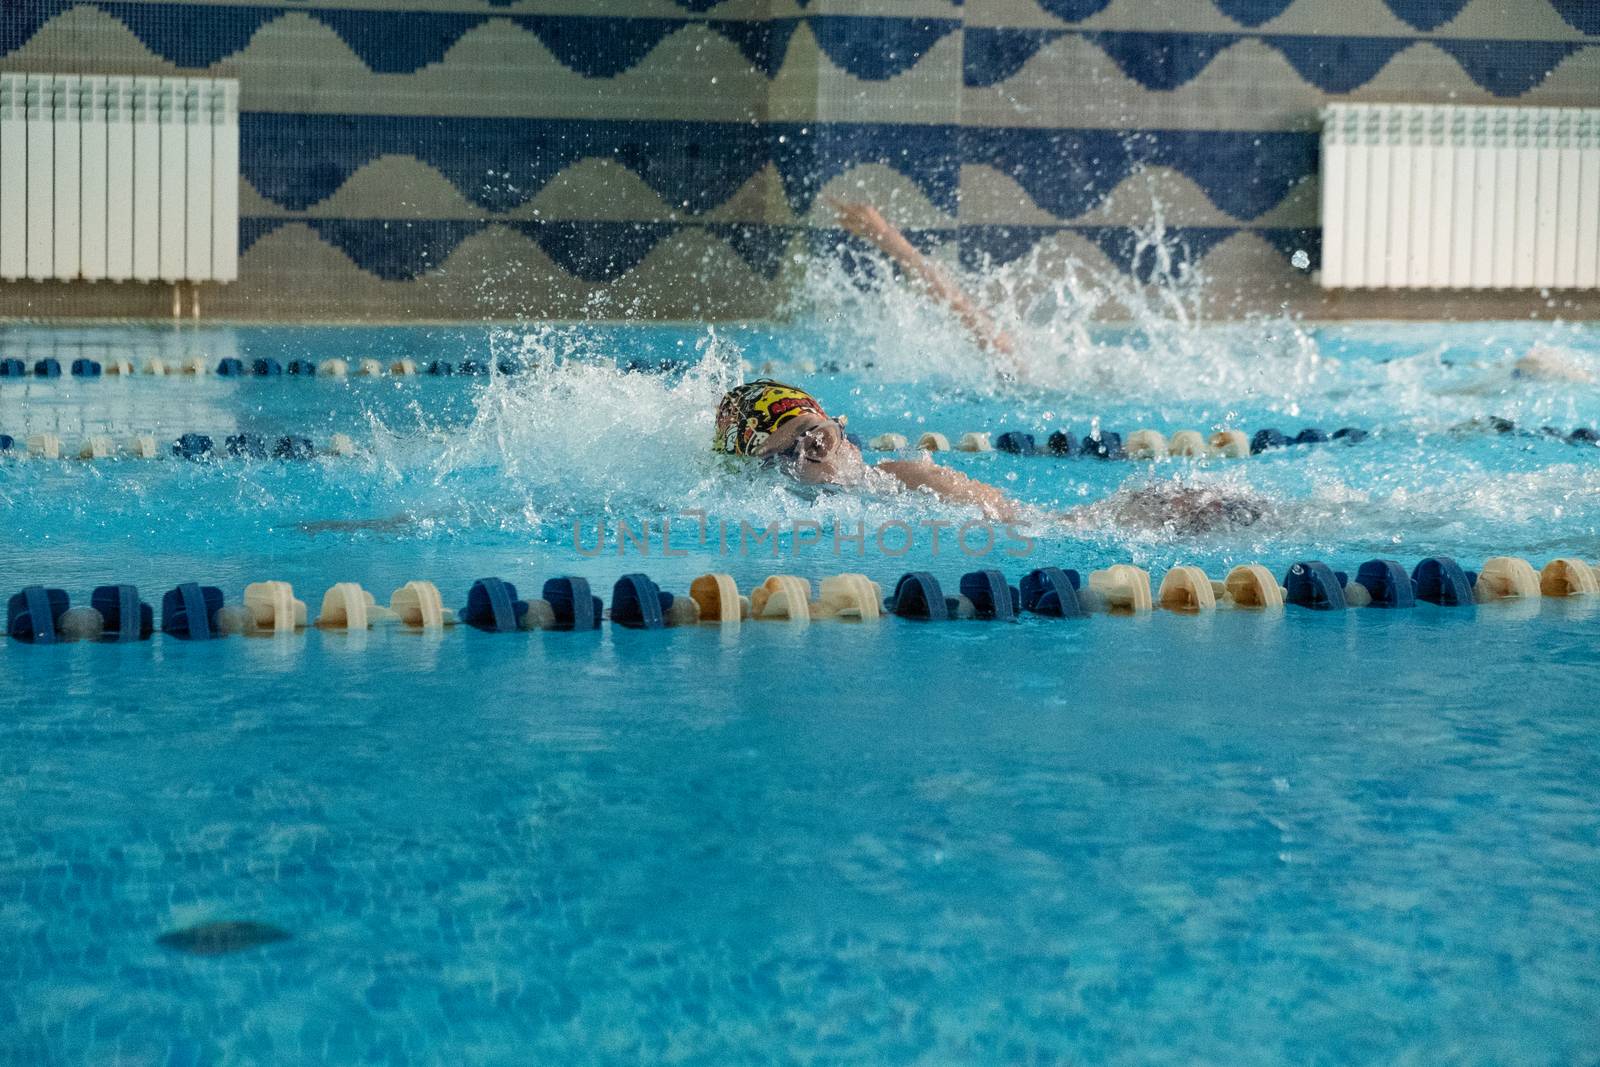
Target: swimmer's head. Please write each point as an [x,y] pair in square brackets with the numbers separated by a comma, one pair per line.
[786,426]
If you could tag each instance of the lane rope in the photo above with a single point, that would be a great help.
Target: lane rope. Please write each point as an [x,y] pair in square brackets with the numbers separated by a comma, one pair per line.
[192,611]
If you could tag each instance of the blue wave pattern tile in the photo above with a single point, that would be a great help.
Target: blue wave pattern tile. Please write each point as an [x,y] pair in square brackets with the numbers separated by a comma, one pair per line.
[596,251]
[1424,15]
[1163,60]
[1581,15]
[1069,172]
[196,36]
[1252,12]
[300,160]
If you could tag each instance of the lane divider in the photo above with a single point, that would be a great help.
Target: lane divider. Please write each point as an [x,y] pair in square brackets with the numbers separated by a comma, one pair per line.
[194,612]
[190,446]
[263,367]
[1149,444]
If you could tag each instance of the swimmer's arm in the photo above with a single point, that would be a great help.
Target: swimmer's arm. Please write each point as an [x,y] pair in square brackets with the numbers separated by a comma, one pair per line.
[388,525]
[867,222]
[955,487]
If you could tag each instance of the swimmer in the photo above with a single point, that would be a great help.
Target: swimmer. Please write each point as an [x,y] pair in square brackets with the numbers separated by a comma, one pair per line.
[1538,364]
[392,524]
[786,427]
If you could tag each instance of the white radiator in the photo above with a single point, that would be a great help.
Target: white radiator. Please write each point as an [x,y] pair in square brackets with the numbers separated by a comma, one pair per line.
[1437,197]
[119,178]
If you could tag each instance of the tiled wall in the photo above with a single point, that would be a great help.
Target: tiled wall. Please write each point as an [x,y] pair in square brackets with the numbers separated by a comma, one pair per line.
[671,158]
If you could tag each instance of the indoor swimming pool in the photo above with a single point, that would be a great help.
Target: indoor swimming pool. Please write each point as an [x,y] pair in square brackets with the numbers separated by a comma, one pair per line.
[1240,836]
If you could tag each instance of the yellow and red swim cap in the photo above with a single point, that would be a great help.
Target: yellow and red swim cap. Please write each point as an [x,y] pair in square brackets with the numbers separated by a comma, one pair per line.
[749,413]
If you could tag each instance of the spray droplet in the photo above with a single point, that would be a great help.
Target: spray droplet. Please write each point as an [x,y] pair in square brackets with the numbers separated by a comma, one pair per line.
[1300,259]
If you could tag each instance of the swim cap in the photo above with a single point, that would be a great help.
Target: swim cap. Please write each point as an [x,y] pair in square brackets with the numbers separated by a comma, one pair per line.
[749,413]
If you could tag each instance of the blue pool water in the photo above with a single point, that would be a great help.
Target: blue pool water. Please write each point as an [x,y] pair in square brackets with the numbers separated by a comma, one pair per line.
[1357,837]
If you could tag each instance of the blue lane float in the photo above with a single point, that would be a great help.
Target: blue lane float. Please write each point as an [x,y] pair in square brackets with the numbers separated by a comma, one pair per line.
[472,366]
[1267,439]
[303,368]
[1052,592]
[33,616]
[127,618]
[1387,582]
[1017,443]
[13,368]
[1350,435]
[441,369]
[187,611]
[991,595]
[1311,436]
[86,368]
[492,606]
[1062,443]
[291,447]
[1440,580]
[1313,584]
[1106,445]
[638,603]
[574,606]
[246,446]
[195,446]
[47,368]
[266,368]
[917,595]
[7,442]
[230,368]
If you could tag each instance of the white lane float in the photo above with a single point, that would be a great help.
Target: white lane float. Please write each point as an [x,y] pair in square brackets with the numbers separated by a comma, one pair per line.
[1230,444]
[1121,589]
[417,604]
[44,445]
[142,446]
[1569,577]
[1250,585]
[1187,589]
[782,596]
[347,606]
[1506,578]
[717,596]
[889,442]
[974,442]
[849,596]
[1145,444]
[274,607]
[97,446]
[369,368]
[333,368]
[933,442]
[1189,443]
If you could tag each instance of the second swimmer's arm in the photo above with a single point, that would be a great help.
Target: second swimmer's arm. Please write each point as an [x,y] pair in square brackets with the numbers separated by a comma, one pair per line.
[955,487]
[867,222]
